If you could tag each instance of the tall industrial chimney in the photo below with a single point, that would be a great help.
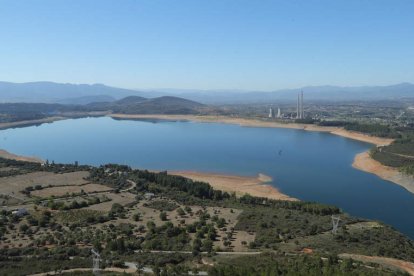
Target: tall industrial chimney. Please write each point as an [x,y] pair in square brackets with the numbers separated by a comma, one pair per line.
[302,113]
[298,108]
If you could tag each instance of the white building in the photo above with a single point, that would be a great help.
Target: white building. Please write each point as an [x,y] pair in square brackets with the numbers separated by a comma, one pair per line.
[271,113]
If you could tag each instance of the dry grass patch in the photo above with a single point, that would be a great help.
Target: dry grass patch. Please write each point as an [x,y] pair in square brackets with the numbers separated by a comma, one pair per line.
[122,198]
[60,191]
[20,182]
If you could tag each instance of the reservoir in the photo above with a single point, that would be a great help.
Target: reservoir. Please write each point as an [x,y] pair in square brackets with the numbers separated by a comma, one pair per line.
[311,166]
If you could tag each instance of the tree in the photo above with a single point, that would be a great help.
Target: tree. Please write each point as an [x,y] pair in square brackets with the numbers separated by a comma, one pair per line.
[180,212]
[196,247]
[136,217]
[207,245]
[23,228]
[163,216]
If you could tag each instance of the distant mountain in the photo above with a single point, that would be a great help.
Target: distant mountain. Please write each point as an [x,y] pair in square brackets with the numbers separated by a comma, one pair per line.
[87,100]
[317,93]
[130,100]
[50,92]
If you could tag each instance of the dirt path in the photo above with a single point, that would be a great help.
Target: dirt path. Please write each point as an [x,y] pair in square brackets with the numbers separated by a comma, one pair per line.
[108,269]
[133,185]
[401,155]
[388,262]
[218,253]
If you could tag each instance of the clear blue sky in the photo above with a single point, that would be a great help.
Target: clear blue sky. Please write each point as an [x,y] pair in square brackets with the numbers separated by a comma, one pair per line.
[209,44]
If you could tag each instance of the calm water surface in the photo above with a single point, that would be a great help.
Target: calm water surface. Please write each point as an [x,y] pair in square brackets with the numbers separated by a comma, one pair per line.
[306,165]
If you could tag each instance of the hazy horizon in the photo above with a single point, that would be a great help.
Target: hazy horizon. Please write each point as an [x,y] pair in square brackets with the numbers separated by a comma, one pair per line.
[200,90]
[208,45]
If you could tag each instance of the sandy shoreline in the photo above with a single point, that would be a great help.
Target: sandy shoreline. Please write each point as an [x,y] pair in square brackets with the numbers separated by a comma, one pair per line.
[365,163]
[7,155]
[241,185]
[378,141]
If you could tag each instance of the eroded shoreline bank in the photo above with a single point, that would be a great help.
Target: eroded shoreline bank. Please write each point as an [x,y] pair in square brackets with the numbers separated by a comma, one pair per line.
[241,185]
[7,155]
[365,163]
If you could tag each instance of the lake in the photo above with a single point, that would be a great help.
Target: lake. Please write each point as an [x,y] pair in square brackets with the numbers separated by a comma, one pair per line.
[311,166]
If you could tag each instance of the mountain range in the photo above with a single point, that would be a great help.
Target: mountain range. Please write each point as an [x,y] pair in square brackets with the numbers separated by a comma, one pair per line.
[82,94]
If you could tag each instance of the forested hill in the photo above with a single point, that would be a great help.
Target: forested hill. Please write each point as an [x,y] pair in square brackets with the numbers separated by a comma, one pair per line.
[140,105]
[161,105]
[12,112]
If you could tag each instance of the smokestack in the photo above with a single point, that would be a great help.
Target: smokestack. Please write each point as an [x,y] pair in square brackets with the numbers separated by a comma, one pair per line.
[298,108]
[302,114]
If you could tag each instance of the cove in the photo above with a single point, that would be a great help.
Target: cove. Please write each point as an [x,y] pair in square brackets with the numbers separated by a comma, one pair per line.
[311,166]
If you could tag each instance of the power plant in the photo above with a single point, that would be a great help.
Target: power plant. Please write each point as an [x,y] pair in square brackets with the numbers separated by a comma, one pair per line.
[299,107]
[300,113]
[271,113]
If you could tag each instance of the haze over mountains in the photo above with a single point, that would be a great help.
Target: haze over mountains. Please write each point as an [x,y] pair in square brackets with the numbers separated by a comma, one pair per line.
[49,92]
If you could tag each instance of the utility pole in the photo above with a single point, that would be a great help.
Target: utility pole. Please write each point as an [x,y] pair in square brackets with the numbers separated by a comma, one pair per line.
[96,259]
[335,224]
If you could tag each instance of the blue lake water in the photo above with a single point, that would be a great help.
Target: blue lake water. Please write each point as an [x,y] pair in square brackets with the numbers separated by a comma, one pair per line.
[310,166]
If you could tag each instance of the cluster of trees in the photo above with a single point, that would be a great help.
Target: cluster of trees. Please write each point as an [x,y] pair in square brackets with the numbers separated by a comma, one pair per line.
[22,167]
[13,112]
[62,205]
[30,189]
[18,167]
[282,221]
[114,176]
[27,265]
[308,207]
[279,264]
[81,217]
[308,121]
[166,237]
[400,154]
[380,241]
[375,129]
[194,188]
